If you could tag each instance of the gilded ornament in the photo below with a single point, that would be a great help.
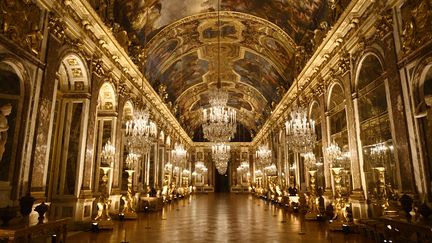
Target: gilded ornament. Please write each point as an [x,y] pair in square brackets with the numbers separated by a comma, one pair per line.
[25,30]
[56,26]
[418,27]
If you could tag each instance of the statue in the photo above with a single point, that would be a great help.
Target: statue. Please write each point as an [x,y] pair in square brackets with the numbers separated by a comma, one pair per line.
[5,111]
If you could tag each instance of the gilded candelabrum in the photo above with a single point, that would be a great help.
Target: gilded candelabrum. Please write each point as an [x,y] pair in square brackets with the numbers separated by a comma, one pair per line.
[382,193]
[313,212]
[103,218]
[339,219]
[129,201]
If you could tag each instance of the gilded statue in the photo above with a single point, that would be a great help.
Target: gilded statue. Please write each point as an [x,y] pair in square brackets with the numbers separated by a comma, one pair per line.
[5,111]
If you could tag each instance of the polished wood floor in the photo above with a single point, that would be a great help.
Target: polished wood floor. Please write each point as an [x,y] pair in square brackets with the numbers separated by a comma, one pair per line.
[218,217]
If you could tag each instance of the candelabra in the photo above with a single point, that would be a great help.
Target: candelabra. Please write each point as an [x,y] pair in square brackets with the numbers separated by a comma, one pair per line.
[128,200]
[263,155]
[242,170]
[332,152]
[178,155]
[313,212]
[339,219]
[103,218]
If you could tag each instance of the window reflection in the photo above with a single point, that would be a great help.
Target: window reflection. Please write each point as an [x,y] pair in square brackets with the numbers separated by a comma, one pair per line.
[375,133]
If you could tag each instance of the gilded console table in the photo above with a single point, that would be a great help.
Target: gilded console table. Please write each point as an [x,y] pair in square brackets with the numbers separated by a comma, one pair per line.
[24,234]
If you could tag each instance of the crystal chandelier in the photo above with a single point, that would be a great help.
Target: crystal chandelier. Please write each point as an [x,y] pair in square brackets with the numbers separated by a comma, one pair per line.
[332,152]
[378,149]
[140,132]
[263,155]
[178,154]
[219,121]
[300,131]
[221,154]
[132,160]
[108,152]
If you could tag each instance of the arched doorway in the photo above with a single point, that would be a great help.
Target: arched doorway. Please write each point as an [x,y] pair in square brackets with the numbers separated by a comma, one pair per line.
[222,182]
[68,135]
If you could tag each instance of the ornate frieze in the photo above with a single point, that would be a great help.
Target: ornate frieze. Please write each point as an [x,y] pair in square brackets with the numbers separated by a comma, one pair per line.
[384,24]
[344,61]
[56,26]
[24,30]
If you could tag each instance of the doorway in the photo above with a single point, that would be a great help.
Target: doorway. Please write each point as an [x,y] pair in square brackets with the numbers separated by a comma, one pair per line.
[222,181]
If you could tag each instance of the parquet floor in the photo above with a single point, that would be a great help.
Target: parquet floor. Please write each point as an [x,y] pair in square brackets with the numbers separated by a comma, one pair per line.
[218,217]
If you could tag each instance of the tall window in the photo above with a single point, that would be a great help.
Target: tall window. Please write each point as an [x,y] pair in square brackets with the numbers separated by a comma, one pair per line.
[375,132]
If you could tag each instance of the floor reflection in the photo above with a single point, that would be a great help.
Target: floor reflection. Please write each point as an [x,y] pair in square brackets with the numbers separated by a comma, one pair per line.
[218,217]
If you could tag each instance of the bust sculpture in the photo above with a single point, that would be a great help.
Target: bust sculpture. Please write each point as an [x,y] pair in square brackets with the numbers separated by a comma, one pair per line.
[5,111]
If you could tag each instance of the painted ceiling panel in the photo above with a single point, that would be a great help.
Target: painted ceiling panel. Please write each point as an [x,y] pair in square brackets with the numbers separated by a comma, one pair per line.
[147,17]
[252,58]
[184,47]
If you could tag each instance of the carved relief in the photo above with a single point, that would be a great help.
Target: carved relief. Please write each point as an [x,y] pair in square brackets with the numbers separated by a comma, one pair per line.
[417,29]
[56,26]
[384,24]
[344,61]
[24,30]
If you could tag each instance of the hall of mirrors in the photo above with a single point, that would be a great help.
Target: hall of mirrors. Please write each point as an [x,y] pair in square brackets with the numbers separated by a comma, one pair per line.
[112,109]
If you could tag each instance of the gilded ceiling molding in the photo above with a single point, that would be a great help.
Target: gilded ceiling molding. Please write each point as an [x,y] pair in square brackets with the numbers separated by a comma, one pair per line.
[236,15]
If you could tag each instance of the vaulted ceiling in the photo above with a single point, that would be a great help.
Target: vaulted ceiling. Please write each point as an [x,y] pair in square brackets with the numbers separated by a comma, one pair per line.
[258,41]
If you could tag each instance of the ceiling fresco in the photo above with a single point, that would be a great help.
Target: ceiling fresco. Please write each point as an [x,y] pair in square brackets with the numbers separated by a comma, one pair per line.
[253,59]
[183,50]
[147,17]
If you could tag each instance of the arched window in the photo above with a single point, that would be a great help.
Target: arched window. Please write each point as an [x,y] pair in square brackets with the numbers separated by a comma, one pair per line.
[375,132]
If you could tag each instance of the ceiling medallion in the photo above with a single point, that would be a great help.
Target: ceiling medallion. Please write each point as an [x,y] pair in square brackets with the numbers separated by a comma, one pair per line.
[141,131]
[300,131]
[221,155]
